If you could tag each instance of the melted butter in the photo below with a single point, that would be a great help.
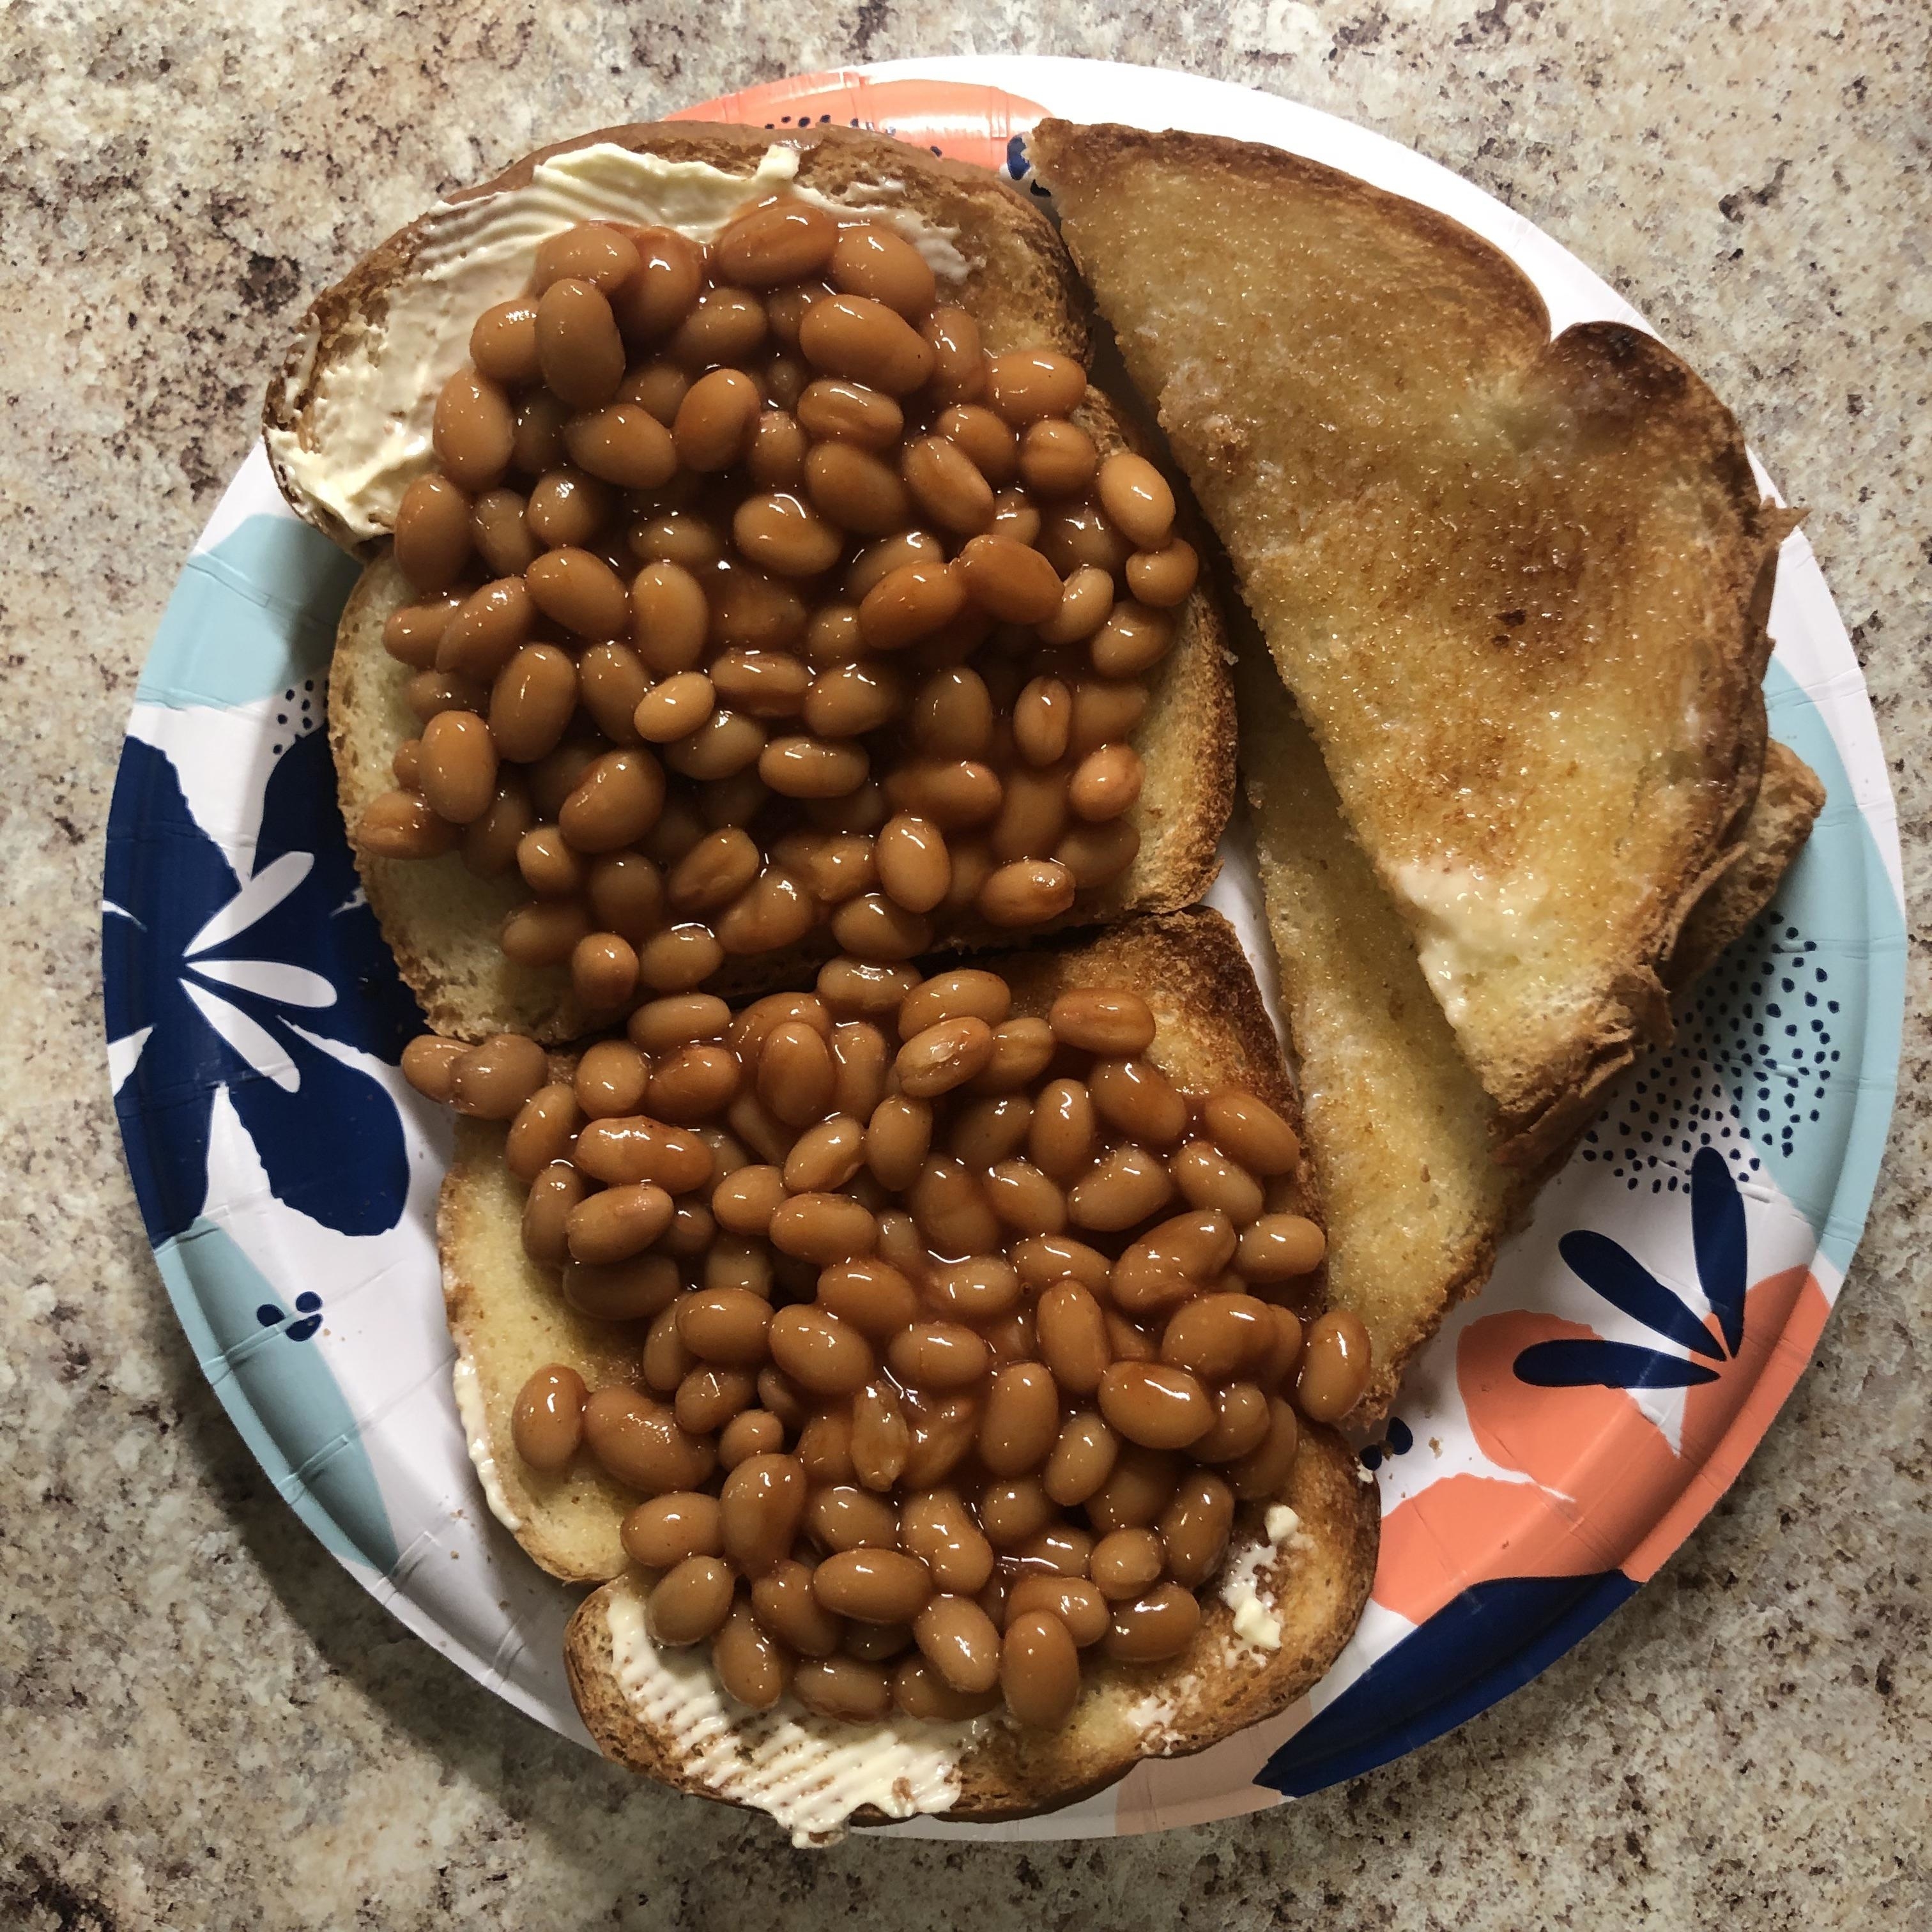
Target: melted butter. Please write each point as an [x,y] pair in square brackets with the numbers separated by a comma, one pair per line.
[475,1431]
[810,1775]
[1467,925]
[365,433]
[1244,1583]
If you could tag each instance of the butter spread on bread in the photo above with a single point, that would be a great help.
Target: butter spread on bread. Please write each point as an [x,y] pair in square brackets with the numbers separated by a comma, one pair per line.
[365,434]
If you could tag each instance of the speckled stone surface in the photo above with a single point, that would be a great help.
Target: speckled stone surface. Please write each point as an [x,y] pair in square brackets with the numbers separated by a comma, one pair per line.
[203,1722]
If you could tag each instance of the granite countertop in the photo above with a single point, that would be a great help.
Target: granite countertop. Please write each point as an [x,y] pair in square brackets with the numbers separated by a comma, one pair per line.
[203,1721]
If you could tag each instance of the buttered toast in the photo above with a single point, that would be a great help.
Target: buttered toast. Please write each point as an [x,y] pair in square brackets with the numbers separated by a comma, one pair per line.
[507,1319]
[1399,1128]
[1518,586]
[343,468]
[1307,1572]
[1317,1575]
[349,430]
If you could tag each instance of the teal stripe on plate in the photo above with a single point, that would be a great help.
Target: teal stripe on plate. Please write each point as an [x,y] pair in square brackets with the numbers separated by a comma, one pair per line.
[249,617]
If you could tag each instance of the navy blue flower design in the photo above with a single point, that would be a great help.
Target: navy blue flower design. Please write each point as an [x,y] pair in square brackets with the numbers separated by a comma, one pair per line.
[1717,1241]
[1398,1439]
[308,1309]
[204,990]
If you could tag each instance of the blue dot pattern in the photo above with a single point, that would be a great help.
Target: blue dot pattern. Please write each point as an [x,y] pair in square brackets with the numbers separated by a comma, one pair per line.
[298,713]
[1751,1063]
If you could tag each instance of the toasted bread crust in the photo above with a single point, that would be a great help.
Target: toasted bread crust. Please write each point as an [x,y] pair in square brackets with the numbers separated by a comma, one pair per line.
[1345,520]
[1218,1686]
[1789,797]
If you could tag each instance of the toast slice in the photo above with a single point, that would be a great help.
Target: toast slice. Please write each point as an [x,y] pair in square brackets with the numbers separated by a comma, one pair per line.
[1399,1127]
[670,1725]
[1002,261]
[347,416]
[441,919]
[507,1319]
[1518,586]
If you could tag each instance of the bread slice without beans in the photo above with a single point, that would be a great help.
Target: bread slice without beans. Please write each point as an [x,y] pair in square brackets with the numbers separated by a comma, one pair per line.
[507,1319]
[1399,1128]
[1518,586]
[440,920]
[1317,1582]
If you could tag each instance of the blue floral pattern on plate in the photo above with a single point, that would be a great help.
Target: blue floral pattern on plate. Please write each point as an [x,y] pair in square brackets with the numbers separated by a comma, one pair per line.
[216,982]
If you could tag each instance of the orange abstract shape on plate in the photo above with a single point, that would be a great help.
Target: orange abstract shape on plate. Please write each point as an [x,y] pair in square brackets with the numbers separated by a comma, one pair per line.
[1601,1488]
[963,120]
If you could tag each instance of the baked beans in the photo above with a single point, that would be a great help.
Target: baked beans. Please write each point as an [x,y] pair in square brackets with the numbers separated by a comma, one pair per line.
[875,262]
[958,371]
[1240,1424]
[945,484]
[844,1689]
[1162,578]
[780,242]
[749,1665]
[501,532]
[1134,494]
[1278,1246]
[785,1604]
[1023,386]
[1334,1366]
[753,1432]
[1126,1185]
[503,343]
[854,336]
[1058,458]
[690,1600]
[639,1443]
[547,1425]
[660,1534]
[579,353]
[1027,892]
[1040,1669]
[1154,1627]
[683,656]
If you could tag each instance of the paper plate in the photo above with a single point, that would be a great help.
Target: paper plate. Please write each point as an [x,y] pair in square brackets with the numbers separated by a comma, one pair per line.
[1556,1442]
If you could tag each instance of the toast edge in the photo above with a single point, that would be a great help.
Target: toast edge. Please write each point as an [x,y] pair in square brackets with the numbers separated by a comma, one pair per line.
[1207,1694]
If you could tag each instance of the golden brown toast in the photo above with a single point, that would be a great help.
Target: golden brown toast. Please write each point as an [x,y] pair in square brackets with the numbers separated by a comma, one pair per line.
[1318,1581]
[440,920]
[1517,586]
[1399,1128]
